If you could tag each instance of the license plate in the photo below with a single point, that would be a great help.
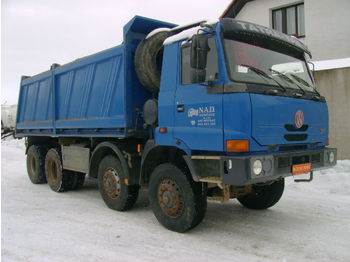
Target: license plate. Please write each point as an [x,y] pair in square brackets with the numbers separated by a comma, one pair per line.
[301,169]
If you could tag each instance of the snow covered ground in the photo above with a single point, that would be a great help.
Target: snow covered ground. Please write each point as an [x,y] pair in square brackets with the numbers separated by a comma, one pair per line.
[310,223]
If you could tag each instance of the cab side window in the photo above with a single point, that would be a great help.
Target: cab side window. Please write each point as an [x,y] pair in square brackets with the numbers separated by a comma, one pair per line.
[212,69]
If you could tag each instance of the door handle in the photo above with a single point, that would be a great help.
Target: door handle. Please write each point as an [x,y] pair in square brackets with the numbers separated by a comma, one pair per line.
[180,108]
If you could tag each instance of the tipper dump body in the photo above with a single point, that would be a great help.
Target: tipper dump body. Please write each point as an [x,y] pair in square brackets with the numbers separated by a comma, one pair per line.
[98,95]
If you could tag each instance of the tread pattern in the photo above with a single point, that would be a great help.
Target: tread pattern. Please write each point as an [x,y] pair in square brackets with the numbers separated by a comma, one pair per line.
[147,60]
[39,152]
[194,196]
[263,197]
[65,177]
[129,193]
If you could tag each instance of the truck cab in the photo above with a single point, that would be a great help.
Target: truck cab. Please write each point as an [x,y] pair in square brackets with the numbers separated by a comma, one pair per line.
[241,97]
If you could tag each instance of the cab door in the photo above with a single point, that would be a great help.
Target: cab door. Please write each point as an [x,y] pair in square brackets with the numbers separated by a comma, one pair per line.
[198,113]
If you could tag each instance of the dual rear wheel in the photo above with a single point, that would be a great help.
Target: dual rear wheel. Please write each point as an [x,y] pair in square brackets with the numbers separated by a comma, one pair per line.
[46,166]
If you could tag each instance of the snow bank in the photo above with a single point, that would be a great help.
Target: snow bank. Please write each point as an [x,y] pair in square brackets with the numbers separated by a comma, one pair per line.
[310,223]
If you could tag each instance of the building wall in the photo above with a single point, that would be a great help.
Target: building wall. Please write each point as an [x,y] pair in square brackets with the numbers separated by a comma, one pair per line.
[259,11]
[334,84]
[326,24]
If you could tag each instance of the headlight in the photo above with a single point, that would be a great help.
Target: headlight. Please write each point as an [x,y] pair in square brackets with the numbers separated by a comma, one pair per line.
[257,167]
[331,157]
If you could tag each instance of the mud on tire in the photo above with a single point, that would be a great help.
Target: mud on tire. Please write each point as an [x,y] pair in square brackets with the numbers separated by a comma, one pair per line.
[264,196]
[36,164]
[78,180]
[177,201]
[111,182]
[59,180]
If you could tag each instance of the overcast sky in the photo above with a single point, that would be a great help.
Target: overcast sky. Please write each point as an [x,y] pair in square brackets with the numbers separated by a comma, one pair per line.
[37,33]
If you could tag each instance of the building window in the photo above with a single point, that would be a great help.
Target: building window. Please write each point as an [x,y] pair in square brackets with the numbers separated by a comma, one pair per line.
[289,20]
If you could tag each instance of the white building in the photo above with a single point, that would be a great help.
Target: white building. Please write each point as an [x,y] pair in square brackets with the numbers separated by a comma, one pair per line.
[323,25]
[8,116]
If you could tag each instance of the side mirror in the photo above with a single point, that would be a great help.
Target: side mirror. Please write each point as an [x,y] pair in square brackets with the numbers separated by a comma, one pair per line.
[199,51]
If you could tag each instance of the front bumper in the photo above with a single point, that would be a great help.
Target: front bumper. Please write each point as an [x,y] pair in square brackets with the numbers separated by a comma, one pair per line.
[238,170]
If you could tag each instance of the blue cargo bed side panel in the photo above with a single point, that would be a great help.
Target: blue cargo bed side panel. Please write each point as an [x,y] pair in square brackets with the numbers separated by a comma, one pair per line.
[88,94]
[97,95]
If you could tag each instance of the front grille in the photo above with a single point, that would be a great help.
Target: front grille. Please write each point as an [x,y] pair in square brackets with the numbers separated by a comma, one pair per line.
[293,128]
[292,147]
[300,159]
[283,161]
[295,137]
[287,161]
[316,158]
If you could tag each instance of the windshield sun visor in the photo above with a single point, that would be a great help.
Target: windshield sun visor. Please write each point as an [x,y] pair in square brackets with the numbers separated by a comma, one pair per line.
[262,36]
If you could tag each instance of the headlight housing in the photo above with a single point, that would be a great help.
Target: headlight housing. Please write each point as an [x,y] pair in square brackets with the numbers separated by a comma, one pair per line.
[331,157]
[257,167]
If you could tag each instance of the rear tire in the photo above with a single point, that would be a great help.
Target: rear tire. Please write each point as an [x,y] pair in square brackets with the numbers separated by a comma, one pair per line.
[111,182]
[78,180]
[58,179]
[36,164]
[178,202]
[263,197]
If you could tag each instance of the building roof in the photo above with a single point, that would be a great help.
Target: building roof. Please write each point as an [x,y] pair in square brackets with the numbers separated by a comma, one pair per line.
[331,64]
[234,8]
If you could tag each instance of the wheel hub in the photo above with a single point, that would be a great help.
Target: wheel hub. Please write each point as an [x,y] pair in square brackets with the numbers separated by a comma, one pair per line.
[170,198]
[111,183]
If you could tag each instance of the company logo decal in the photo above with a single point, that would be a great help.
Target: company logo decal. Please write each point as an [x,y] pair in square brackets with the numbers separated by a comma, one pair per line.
[202,116]
[299,119]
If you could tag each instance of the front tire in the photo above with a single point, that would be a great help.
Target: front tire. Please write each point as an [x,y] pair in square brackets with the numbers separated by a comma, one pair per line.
[111,182]
[264,196]
[178,202]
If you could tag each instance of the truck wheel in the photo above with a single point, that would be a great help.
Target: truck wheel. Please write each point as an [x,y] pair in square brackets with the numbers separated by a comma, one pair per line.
[177,201]
[78,180]
[263,197]
[58,179]
[111,182]
[36,164]
[148,60]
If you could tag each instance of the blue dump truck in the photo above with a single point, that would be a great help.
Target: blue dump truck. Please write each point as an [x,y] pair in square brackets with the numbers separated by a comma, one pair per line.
[211,110]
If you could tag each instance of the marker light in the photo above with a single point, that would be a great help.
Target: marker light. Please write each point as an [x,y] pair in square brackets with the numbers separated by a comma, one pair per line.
[237,145]
[163,130]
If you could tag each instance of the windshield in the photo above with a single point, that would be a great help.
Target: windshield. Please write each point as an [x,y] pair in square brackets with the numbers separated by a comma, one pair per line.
[253,64]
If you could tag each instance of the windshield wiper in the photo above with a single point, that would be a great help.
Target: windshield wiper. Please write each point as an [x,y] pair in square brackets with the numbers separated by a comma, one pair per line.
[290,80]
[262,73]
[302,81]
[282,75]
